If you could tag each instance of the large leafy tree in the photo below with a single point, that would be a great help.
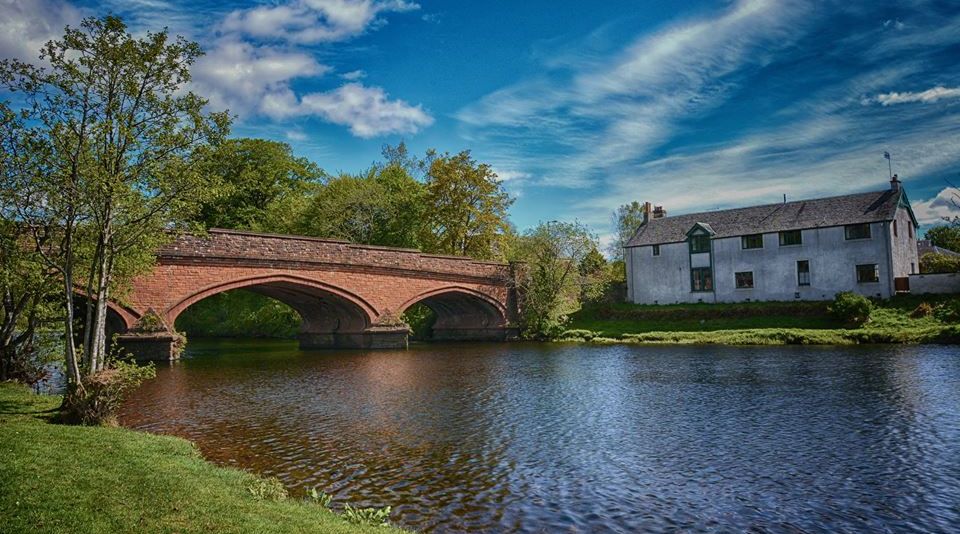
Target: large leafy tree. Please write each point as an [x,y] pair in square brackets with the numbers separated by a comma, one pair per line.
[100,147]
[560,261]
[466,207]
[261,185]
[946,235]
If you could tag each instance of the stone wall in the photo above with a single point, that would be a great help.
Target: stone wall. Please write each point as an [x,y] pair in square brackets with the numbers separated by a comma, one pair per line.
[945,283]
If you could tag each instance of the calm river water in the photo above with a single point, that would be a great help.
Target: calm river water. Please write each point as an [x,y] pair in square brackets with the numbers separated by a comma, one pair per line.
[575,438]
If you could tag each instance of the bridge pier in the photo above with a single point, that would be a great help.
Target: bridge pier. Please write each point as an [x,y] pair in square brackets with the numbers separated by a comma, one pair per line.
[154,346]
[392,337]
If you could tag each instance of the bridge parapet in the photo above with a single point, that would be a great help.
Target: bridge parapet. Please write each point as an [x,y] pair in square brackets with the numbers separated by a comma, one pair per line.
[237,248]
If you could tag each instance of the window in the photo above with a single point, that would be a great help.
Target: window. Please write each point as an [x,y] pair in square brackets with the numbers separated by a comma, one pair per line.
[913,268]
[910,230]
[857,231]
[699,243]
[791,237]
[701,279]
[895,228]
[744,280]
[751,241]
[656,250]
[803,273]
[868,273]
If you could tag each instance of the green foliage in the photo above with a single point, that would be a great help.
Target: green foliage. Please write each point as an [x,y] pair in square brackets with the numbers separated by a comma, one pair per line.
[99,395]
[151,323]
[551,284]
[374,517]
[626,220]
[28,299]
[98,480]
[420,318]
[949,311]
[381,207]
[267,489]
[851,308]
[932,263]
[945,235]
[466,208]
[103,161]
[259,185]
[319,497]
[239,313]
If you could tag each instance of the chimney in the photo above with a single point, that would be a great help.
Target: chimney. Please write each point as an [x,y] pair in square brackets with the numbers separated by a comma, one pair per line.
[646,212]
[659,212]
[895,183]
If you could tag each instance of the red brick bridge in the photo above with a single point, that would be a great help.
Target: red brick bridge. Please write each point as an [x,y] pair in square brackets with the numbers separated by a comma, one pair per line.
[347,295]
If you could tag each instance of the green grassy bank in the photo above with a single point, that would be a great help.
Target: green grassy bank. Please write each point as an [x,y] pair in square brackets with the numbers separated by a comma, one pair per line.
[903,319]
[71,479]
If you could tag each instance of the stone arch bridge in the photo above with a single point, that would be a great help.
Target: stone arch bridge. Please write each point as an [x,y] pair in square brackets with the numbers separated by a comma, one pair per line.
[348,296]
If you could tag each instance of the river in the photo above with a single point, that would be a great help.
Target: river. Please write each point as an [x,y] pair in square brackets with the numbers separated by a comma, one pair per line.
[582,438]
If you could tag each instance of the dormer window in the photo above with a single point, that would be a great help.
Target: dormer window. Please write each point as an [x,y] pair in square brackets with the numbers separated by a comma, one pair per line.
[699,243]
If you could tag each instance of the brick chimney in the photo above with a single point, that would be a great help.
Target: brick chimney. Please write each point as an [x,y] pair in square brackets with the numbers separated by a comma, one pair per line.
[647,207]
[895,183]
[659,212]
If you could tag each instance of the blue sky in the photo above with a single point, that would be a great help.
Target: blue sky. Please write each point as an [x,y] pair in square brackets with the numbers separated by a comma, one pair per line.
[583,106]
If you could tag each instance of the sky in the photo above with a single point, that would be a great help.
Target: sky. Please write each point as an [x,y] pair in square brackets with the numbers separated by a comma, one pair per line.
[583,106]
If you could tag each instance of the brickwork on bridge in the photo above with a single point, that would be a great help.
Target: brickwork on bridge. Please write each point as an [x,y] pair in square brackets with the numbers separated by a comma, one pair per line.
[348,295]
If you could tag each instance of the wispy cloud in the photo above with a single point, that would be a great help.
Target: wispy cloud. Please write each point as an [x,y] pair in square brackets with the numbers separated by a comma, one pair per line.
[625,107]
[930,95]
[312,21]
[354,75]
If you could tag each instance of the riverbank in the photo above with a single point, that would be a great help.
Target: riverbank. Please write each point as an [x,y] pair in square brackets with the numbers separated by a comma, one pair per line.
[59,479]
[904,319]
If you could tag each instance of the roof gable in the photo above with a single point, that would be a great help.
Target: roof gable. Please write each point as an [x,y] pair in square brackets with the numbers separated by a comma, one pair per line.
[700,228]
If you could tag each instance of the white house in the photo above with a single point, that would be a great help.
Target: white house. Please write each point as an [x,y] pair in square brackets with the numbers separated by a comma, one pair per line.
[807,249]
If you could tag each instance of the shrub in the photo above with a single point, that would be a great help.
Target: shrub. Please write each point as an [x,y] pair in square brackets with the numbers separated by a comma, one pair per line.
[851,308]
[267,489]
[98,397]
[933,262]
[374,517]
[319,497]
[948,312]
[923,309]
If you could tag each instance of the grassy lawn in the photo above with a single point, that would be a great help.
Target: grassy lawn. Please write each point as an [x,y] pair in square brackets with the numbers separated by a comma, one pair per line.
[69,479]
[752,323]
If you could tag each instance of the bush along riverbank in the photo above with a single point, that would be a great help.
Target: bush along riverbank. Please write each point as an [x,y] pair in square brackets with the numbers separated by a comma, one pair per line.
[74,479]
[847,320]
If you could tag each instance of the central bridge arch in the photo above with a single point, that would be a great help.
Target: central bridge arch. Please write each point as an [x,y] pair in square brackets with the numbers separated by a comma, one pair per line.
[463,314]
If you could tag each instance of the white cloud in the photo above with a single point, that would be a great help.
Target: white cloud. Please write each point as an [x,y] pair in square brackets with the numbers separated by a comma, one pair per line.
[945,205]
[248,79]
[26,25]
[312,21]
[511,175]
[365,110]
[354,75]
[930,95]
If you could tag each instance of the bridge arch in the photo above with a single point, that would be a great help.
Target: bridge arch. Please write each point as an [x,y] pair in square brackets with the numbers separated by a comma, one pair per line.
[330,316]
[463,314]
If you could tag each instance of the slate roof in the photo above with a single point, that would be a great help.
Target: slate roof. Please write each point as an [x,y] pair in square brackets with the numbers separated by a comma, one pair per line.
[924,246]
[801,214]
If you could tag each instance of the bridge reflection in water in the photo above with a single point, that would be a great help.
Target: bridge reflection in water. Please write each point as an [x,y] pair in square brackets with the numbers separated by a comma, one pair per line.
[348,296]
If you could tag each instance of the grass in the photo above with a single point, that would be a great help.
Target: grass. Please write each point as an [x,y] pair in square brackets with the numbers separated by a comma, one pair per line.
[759,323]
[71,479]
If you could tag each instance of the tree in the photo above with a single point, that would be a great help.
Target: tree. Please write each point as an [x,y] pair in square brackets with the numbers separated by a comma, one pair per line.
[383,206]
[933,262]
[466,207]
[945,235]
[626,219]
[260,185]
[553,253]
[102,155]
[28,298]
